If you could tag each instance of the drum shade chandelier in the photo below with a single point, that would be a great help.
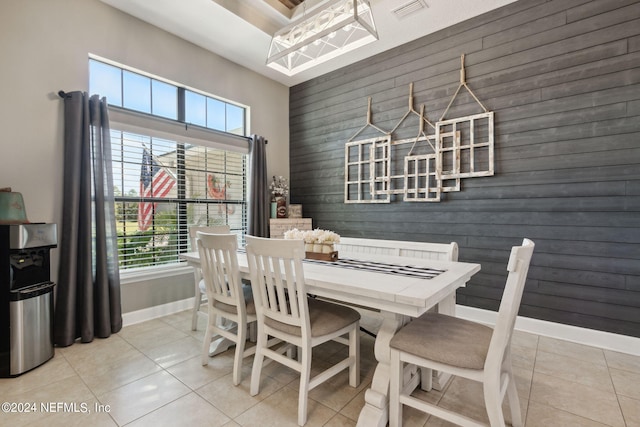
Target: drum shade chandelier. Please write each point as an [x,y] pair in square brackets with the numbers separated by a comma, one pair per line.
[330,31]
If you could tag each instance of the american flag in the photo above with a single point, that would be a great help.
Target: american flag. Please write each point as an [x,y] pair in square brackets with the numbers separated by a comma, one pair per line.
[155,182]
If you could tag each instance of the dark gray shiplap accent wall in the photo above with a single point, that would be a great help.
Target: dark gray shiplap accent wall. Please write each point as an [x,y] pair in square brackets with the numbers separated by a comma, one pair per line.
[563,78]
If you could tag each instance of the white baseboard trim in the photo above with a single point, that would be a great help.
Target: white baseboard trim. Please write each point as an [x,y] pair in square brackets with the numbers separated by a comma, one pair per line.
[154,312]
[591,337]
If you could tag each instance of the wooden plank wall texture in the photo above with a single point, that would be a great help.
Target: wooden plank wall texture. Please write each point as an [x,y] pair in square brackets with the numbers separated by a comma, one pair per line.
[563,78]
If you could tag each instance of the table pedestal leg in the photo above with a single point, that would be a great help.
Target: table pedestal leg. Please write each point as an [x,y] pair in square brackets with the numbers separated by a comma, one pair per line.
[376,408]
[221,344]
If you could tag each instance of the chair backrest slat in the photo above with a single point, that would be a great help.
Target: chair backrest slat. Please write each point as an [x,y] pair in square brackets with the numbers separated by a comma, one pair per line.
[219,264]
[277,280]
[518,268]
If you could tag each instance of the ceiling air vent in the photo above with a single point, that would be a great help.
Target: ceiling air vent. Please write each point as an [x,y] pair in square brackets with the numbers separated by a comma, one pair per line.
[409,8]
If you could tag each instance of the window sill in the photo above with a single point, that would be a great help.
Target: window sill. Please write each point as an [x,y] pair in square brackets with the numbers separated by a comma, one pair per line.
[150,273]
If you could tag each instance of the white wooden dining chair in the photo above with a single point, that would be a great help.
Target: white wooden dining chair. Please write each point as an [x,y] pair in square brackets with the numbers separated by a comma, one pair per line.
[226,297]
[200,292]
[285,311]
[463,348]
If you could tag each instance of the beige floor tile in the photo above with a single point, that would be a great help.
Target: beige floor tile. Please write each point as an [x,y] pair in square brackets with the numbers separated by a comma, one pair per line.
[539,415]
[234,400]
[340,420]
[57,368]
[43,402]
[523,357]
[182,322]
[412,417]
[625,362]
[523,378]
[281,410]
[353,408]
[466,397]
[182,319]
[194,375]
[118,372]
[576,370]
[577,351]
[141,328]
[191,410]
[153,333]
[626,383]
[177,351]
[70,419]
[630,410]
[98,352]
[334,393]
[143,396]
[100,355]
[525,339]
[279,372]
[368,363]
[576,398]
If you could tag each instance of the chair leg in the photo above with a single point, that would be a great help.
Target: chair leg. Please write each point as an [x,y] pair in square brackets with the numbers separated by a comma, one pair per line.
[241,338]
[305,376]
[196,308]
[493,402]
[512,393]
[354,351]
[514,402]
[395,387]
[258,359]
[253,331]
[206,344]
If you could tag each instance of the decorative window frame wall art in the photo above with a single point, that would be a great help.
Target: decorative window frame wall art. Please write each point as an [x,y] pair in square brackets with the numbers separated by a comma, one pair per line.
[367,167]
[461,147]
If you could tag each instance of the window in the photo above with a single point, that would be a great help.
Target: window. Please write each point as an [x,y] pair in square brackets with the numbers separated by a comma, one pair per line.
[163,185]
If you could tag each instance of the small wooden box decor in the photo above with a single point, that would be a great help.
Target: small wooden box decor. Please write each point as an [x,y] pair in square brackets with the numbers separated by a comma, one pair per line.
[321,251]
[295,211]
[331,256]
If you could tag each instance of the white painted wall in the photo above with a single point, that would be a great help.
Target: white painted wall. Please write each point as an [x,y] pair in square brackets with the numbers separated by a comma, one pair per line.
[44,48]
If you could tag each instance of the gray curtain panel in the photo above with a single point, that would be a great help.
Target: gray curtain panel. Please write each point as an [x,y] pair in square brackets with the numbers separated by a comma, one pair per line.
[88,291]
[258,188]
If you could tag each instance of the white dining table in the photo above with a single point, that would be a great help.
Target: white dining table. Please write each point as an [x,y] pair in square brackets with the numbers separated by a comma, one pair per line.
[398,298]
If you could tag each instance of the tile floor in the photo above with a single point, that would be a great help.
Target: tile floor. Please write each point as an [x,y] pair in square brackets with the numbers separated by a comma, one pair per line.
[150,374]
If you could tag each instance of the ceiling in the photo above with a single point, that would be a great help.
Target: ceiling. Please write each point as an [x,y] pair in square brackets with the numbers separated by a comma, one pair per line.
[240,30]
[291,3]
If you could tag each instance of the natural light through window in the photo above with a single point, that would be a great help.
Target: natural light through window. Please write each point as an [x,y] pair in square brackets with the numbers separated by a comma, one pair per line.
[163,186]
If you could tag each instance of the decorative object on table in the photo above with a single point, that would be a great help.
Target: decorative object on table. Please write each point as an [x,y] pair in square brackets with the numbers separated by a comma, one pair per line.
[318,244]
[294,211]
[12,209]
[279,188]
